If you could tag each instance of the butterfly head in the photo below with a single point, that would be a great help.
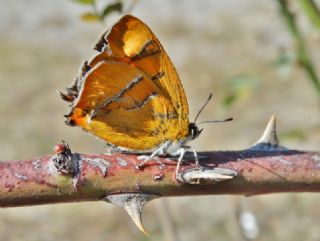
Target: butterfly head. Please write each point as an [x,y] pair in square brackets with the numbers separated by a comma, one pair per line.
[194,131]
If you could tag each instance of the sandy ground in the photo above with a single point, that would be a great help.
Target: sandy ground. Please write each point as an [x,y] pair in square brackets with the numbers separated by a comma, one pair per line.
[42,45]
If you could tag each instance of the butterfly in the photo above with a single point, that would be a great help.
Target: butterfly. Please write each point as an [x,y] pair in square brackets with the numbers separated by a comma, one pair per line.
[130,94]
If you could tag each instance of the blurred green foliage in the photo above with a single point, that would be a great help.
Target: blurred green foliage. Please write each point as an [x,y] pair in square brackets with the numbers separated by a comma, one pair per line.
[239,88]
[301,47]
[97,14]
[85,1]
[285,63]
[296,134]
[312,11]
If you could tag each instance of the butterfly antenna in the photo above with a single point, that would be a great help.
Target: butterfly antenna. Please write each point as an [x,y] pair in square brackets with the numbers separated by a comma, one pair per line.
[216,121]
[204,105]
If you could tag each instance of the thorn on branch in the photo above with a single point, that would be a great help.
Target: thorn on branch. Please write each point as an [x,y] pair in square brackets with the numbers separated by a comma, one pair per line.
[133,204]
[269,140]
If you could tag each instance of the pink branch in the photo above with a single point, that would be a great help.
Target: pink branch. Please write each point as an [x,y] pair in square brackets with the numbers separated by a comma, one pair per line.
[37,181]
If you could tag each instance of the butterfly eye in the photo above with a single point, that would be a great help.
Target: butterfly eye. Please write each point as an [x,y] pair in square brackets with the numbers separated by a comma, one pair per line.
[194,131]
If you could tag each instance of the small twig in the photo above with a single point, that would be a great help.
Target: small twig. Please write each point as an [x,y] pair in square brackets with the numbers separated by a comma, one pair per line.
[302,53]
[312,11]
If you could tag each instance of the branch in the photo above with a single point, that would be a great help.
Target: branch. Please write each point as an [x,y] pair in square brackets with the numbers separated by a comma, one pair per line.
[65,176]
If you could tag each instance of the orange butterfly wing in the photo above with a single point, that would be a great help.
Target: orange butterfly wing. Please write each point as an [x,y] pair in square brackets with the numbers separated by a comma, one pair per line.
[130,94]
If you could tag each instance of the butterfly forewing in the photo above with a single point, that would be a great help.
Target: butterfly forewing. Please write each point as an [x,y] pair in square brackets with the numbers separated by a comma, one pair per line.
[144,51]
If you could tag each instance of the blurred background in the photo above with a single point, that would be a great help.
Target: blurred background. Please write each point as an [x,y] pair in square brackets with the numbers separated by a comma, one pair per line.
[254,58]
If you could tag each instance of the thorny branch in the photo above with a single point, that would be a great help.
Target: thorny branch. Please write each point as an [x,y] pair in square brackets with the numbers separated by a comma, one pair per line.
[66,176]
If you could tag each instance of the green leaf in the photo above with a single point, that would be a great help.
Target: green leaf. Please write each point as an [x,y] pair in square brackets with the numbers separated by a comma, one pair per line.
[89,17]
[86,2]
[113,7]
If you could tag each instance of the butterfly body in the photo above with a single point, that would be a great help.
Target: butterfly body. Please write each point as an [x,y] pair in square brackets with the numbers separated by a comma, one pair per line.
[130,94]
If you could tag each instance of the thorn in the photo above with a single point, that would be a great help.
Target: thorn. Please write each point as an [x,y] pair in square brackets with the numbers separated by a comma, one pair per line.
[269,139]
[133,204]
[269,135]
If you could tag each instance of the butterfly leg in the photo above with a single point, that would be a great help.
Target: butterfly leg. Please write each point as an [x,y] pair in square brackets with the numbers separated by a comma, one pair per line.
[182,152]
[140,165]
[197,159]
[180,160]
